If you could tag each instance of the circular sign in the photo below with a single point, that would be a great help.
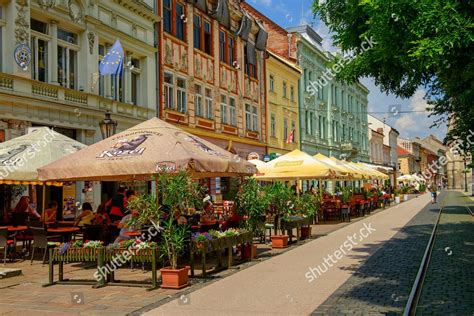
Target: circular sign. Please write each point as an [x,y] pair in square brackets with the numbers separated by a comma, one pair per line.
[253,155]
[22,55]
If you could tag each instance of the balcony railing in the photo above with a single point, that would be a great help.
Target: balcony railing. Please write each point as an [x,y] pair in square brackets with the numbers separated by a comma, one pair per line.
[25,87]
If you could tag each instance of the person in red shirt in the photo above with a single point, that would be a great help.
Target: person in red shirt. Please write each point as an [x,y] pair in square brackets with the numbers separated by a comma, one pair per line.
[117,205]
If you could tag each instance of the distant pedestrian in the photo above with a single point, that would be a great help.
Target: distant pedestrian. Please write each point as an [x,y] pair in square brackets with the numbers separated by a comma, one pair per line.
[434,194]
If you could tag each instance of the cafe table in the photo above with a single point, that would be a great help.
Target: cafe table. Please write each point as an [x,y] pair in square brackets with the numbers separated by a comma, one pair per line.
[65,232]
[132,234]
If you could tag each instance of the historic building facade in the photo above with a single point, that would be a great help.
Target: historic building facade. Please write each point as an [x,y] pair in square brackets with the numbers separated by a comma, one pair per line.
[213,73]
[282,105]
[333,116]
[49,56]
[376,146]
[282,91]
[414,148]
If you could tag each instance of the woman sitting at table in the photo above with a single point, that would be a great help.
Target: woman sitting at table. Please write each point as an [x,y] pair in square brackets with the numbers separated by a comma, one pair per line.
[180,219]
[49,215]
[23,206]
[87,216]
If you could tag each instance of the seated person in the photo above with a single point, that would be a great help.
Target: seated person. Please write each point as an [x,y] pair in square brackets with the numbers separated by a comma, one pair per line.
[87,216]
[125,227]
[24,207]
[232,221]
[49,215]
[180,219]
[207,217]
[102,218]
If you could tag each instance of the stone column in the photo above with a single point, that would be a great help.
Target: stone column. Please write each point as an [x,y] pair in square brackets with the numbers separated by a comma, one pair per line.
[53,52]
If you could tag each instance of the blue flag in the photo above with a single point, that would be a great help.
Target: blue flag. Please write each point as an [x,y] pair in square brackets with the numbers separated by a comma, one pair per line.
[112,63]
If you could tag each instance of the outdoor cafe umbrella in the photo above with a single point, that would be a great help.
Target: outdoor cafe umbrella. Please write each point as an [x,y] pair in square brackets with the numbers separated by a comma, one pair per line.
[360,174]
[144,150]
[377,174]
[295,165]
[346,172]
[20,157]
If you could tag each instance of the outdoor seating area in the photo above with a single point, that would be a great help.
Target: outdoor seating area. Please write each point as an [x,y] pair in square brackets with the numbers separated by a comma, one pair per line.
[174,224]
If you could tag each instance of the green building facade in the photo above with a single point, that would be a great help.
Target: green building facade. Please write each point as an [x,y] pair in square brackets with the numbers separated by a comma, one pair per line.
[333,115]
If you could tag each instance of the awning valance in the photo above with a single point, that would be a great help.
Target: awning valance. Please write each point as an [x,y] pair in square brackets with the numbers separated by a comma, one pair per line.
[221,13]
[262,37]
[245,27]
[251,54]
[200,4]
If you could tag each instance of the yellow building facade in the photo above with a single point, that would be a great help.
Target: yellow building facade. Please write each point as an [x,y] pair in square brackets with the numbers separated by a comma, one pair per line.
[282,78]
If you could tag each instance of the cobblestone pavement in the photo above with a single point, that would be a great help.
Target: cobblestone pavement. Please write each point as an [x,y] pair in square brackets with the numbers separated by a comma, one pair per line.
[449,284]
[383,283]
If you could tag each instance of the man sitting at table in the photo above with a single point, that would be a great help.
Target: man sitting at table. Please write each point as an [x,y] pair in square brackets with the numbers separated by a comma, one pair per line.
[207,217]
[125,227]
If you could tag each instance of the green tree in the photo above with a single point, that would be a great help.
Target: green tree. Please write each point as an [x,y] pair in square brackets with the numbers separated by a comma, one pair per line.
[418,43]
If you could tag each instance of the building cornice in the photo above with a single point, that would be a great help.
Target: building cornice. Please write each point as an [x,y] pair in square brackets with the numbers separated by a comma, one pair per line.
[140,8]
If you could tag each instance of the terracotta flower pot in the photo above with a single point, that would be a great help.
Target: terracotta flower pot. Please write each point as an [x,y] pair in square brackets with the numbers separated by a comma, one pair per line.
[246,251]
[305,231]
[174,278]
[280,241]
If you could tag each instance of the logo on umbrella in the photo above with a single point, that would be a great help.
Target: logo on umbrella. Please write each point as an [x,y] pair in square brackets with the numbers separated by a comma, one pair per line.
[126,148]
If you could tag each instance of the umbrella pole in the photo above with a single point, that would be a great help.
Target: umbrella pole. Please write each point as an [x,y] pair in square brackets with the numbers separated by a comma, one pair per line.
[43,202]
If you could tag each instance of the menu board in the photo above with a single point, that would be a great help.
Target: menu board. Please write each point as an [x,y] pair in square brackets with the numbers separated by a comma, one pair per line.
[69,201]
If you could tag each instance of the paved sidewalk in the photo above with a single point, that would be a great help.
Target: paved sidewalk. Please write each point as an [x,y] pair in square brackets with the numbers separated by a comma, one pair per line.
[280,285]
[448,288]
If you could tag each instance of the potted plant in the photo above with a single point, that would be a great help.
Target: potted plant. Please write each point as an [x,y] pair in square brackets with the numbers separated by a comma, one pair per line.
[178,192]
[252,203]
[308,204]
[281,200]
[345,199]
[396,194]
[147,210]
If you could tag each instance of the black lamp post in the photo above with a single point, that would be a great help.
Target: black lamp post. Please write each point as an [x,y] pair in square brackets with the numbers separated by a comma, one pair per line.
[107,126]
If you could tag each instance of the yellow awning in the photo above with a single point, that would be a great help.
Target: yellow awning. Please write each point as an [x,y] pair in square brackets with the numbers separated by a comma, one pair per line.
[360,174]
[296,165]
[347,173]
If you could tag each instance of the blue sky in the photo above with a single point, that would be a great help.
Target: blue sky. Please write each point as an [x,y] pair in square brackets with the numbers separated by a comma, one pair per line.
[292,12]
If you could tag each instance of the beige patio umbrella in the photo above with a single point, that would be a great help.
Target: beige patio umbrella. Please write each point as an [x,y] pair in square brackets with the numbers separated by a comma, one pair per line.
[144,150]
[20,157]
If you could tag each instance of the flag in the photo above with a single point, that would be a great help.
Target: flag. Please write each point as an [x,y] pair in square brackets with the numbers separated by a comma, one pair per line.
[291,137]
[112,63]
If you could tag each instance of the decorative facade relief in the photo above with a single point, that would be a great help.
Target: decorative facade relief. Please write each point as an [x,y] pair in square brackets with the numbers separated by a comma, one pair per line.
[47,4]
[75,11]
[91,38]
[22,25]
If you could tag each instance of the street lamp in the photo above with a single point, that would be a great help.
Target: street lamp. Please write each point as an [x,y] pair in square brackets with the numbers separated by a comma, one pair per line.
[465,175]
[107,126]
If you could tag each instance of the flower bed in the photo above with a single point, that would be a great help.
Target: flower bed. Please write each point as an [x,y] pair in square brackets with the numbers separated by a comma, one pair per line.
[203,243]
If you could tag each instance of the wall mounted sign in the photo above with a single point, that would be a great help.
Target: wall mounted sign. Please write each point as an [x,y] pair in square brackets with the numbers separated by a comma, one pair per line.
[22,56]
